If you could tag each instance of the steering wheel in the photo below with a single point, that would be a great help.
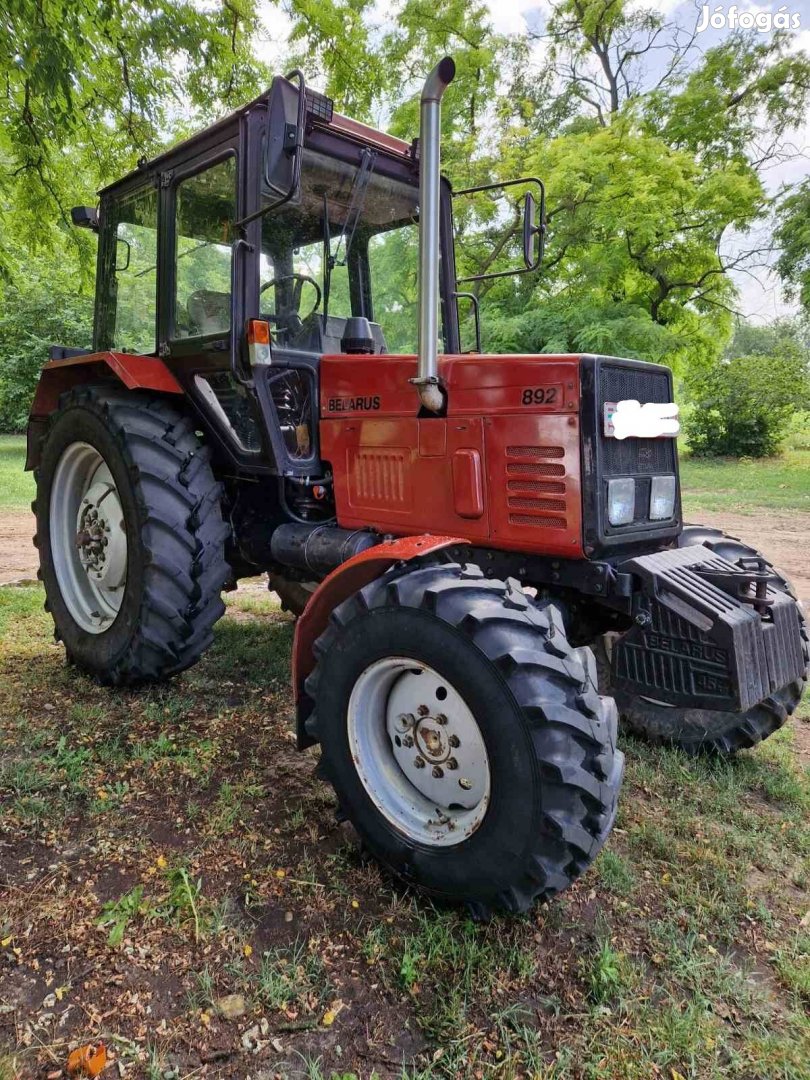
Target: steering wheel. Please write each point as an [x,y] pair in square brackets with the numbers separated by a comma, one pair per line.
[300,280]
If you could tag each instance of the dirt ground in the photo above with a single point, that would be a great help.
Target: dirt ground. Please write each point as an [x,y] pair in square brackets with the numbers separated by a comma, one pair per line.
[783,535]
[18,556]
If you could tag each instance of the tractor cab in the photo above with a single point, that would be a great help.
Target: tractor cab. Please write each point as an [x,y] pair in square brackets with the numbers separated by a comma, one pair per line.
[284,213]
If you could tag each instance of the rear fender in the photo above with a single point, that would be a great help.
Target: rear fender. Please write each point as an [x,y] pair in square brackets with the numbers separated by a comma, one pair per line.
[347,579]
[132,371]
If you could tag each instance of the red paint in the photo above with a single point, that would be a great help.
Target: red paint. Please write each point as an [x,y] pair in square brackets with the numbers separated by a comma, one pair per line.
[347,579]
[468,484]
[135,372]
[503,466]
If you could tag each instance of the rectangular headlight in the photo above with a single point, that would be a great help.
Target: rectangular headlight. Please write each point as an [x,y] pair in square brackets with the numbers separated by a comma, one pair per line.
[621,501]
[662,498]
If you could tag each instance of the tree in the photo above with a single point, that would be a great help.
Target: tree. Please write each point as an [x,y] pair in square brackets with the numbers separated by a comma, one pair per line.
[793,237]
[89,88]
[743,403]
[41,309]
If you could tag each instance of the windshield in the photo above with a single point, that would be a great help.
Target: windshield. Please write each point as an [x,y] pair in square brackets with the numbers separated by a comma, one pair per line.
[369,225]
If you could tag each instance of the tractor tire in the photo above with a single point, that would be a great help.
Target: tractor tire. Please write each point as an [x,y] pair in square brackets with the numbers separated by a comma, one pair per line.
[702,730]
[294,595]
[519,778]
[130,535]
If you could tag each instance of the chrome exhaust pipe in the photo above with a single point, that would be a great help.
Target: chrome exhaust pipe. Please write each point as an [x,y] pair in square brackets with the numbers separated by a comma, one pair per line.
[427,380]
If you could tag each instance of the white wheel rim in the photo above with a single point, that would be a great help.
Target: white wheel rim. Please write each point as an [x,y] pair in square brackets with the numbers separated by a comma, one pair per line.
[88,538]
[402,712]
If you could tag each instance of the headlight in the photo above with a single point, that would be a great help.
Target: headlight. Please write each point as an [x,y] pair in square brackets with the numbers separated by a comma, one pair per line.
[621,501]
[662,498]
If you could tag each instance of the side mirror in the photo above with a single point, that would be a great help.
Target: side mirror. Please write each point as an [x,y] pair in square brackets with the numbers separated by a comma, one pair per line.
[85,217]
[534,227]
[533,249]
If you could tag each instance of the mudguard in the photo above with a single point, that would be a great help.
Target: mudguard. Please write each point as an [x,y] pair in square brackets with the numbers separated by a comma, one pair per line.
[133,371]
[346,579]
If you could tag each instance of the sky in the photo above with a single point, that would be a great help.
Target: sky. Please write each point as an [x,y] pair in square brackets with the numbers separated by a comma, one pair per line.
[760,296]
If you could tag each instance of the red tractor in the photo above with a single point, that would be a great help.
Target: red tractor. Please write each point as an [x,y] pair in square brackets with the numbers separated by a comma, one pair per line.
[458,532]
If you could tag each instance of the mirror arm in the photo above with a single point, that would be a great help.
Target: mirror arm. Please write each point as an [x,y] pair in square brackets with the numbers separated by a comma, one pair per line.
[537,229]
[476,314]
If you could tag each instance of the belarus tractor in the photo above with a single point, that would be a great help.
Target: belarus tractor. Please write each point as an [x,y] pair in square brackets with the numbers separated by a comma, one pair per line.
[487,573]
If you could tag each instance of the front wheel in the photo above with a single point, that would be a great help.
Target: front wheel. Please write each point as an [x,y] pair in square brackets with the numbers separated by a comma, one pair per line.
[464,736]
[130,535]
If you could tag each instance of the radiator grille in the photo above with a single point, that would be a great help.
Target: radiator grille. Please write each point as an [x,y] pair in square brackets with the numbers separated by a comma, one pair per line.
[549,487]
[535,452]
[524,488]
[622,457]
[537,504]
[538,521]
[540,469]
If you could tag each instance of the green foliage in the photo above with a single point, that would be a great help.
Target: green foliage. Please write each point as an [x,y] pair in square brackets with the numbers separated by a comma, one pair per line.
[36,312]
[793,236]
[117,914]
[742,404]
[90,88]
[604,974]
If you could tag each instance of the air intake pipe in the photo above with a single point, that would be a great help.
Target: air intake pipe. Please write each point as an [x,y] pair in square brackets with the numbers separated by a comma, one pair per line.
[427,380]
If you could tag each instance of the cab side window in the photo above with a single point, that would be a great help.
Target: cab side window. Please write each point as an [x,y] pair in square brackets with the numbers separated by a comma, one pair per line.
[133,282]
[205,210]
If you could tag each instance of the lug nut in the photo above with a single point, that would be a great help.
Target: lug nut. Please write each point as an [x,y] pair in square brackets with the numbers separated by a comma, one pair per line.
[405,721]
[423,710]
[419,762]
[407,741]
[451,763]
[441,719]
[454,741]
[438,772]
[465,783]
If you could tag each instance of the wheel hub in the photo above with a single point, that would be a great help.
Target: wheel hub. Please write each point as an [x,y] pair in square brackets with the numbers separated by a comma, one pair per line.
[422,758]
[88,537]
[101,537]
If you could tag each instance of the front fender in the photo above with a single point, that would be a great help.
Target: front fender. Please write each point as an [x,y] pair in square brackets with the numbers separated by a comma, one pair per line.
[345,580]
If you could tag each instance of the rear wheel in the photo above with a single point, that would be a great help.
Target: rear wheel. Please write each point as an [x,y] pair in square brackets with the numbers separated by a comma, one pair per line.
[130,535]
[464,737]
[703,730]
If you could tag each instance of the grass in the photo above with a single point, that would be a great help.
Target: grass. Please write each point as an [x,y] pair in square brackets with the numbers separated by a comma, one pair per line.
[16,485]
[746,486]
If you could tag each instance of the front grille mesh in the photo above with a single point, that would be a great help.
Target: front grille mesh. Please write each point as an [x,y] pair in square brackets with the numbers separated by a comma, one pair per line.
[623,457]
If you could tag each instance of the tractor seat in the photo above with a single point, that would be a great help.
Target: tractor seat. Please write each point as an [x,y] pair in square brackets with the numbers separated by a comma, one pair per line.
[209,312]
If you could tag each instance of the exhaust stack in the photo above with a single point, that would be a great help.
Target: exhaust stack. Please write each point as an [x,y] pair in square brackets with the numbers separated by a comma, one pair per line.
[427,380]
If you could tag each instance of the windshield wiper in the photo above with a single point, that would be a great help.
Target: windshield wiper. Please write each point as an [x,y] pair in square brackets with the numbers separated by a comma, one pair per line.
[357,201]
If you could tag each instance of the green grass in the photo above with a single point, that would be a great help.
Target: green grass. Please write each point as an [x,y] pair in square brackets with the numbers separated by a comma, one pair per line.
[16,485]
[746,486]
